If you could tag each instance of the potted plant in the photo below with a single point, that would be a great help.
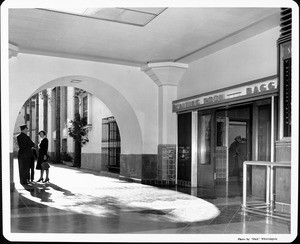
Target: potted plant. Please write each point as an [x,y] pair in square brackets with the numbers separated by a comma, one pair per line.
[79,132]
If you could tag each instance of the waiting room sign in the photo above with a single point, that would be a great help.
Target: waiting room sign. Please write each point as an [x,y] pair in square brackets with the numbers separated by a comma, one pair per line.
[246,90]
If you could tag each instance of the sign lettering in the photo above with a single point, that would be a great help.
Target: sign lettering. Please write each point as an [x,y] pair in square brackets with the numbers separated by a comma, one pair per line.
[261,88]
[230,93]
[215,98]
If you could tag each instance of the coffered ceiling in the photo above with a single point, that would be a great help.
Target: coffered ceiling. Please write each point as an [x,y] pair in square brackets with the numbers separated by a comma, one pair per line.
[135,36]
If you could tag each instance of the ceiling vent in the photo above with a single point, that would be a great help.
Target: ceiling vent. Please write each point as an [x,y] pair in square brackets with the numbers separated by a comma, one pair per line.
[286,23]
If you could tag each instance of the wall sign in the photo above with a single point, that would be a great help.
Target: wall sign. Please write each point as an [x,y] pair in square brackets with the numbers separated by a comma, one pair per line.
[247,90]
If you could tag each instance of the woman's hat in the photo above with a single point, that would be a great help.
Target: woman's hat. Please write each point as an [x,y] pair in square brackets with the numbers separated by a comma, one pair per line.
[42,131]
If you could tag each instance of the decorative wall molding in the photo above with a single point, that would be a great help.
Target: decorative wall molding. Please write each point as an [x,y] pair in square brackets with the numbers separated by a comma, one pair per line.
[13,50]
[165,73]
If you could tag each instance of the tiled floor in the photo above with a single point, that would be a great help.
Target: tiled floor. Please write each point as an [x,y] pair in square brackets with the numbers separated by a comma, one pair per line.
[78,201]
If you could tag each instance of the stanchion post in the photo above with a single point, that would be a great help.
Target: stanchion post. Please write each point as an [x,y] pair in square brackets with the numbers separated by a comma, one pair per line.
[268,189]
[244,186]
[272,189]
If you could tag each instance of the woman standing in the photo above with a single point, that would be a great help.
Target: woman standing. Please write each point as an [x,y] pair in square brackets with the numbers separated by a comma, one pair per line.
[43,155]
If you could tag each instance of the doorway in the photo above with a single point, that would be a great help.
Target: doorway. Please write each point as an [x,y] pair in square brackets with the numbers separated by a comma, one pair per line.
[224,138]
[224,143]
[232,142]
[237,134]
[111,144]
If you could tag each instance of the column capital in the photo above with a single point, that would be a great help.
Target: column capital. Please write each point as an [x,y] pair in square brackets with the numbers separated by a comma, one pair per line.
[165,73]
[13,50]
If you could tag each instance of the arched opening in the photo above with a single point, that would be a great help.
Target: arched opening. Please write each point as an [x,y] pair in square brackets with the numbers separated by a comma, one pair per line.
[127,120]
[128,125]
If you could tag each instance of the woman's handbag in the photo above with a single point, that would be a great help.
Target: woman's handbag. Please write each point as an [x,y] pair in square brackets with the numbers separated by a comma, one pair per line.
[45,165]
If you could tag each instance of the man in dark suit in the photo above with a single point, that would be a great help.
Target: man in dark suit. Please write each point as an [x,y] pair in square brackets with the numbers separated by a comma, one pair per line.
[233,160]
[24,154]
[31,168]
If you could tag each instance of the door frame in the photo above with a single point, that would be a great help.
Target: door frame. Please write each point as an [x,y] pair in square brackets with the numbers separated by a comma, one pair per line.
[247,124]
[250,135]
[207,171]
[249,127]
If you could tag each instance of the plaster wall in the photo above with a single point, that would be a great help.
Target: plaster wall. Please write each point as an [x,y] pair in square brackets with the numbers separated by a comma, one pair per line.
[99,111]
[251,59]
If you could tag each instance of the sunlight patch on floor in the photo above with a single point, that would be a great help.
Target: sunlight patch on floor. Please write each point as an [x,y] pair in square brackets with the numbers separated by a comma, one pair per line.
[73,190]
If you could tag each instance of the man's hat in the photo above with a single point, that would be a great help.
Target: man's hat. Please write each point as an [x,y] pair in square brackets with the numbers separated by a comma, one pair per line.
[237,137]
[22,127]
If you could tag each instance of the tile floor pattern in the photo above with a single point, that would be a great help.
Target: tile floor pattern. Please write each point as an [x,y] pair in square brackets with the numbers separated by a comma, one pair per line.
[34,208]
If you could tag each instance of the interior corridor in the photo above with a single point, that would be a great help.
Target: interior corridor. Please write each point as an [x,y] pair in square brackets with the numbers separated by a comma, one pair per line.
[82,201]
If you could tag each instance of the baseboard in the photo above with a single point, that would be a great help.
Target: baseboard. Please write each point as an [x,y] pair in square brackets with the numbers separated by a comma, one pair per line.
[130,179]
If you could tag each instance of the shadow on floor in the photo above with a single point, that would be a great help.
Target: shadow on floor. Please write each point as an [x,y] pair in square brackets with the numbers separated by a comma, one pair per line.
[39,190]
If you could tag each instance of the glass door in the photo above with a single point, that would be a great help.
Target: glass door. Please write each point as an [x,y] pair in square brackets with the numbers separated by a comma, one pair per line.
[206,151]
[261,144]
[184,149]
[221,158]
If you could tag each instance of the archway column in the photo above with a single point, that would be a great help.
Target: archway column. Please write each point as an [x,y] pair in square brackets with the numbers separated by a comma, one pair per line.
[166,75]
[13,51]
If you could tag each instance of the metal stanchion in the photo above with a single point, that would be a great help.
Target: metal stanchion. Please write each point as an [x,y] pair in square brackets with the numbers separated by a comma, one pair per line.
[266,207]
[268,189]
[271,189]
[244,188]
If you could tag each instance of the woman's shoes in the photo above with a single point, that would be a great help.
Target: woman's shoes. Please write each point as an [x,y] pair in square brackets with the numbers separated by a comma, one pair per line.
[46,180]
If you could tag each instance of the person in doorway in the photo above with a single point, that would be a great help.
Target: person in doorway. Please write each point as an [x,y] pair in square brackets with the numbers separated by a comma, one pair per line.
[43,156]
[24,154]
[31,168]
[241,152]
[233,161]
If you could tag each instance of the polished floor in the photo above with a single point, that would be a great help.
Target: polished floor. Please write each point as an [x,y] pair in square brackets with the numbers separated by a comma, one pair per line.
[78,201]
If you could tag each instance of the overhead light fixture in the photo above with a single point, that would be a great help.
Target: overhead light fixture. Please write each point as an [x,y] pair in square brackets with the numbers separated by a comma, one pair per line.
[76,81]
[130,16]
